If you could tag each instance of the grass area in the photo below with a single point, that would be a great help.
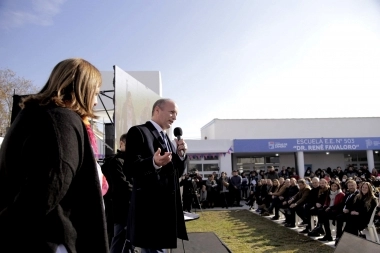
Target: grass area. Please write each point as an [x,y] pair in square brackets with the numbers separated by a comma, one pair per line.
[243,231]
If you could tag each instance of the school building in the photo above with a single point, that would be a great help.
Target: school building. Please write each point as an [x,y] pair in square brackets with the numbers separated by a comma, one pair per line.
[254,144]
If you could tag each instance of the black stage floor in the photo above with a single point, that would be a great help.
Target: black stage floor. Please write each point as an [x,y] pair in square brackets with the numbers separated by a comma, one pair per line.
[202,243]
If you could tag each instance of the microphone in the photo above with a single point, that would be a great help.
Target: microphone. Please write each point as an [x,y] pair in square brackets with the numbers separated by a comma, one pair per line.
[178,134]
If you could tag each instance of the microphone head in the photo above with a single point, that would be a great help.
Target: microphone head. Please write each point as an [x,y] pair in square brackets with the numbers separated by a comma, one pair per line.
[177,131]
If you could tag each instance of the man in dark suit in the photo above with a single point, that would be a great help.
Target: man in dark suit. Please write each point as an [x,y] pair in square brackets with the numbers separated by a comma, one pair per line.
[348,201]
[156,217]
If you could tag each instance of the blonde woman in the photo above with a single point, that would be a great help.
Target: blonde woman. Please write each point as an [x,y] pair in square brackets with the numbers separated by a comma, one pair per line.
[50,192]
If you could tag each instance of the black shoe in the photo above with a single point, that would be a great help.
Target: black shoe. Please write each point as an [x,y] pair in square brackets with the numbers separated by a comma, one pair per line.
[318,230]
[313,233]
[325,238]
[305,231]
[290,225]
[275,218]
[362,235]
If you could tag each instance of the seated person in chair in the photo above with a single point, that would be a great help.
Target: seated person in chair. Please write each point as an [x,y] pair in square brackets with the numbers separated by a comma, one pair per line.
[364,204]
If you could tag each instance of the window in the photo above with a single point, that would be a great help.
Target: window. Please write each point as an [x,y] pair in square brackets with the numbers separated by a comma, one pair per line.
[257,163]
[272,159]
[205,164]
[211,167]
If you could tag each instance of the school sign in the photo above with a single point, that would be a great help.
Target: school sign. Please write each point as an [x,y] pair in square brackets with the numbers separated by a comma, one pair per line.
[306,144]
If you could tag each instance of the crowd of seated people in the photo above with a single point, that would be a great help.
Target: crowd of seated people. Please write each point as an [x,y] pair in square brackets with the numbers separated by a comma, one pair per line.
[345,199]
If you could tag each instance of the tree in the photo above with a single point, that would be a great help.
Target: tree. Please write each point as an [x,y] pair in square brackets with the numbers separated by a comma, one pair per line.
[11,84]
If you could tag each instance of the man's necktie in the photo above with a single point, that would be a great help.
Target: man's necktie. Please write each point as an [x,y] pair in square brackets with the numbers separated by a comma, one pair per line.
[163,135]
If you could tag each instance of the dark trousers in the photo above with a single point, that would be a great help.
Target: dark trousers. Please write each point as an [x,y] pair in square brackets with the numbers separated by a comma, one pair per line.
[291,214]
[187,200]
[311,210]
[277,203]
[119,242]
[339,223]
[235,195]
[224,199]
[244,192]
[324,218]
[354,224]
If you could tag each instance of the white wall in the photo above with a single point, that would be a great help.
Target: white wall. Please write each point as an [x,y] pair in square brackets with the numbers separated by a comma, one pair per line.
[321,160]
[220,147]
[287,160]
[291,128]
[225,163]
[151,79]
[208,146]
[208,131]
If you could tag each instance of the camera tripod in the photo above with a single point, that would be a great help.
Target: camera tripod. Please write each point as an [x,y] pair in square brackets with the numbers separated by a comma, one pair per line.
[195,195]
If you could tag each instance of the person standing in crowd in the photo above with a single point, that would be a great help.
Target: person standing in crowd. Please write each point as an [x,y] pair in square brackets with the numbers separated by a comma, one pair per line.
[261,175]
[155,165]
[216,178]
[350,172]
[212,188]
[121,190]
[284,173]
[189,191]
[307,172]
[203,197]
[198,179]
[224,186]
[55,203]
[235,187]
[272,174]
[244,186]
[339,173]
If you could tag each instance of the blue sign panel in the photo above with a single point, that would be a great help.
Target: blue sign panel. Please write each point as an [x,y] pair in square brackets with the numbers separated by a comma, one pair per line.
[306,144]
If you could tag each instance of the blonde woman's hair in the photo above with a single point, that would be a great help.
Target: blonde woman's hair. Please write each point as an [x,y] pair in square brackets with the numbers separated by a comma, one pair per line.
[368,197]
[72,84]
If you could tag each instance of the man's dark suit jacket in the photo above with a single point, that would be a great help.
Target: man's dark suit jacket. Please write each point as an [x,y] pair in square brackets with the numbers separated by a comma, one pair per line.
[155,218]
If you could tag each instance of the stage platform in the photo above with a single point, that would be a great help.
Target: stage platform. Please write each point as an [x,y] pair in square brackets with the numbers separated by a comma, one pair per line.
[207,242]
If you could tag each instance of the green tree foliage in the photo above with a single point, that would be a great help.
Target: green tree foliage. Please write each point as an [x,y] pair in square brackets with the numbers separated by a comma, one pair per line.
[11,84]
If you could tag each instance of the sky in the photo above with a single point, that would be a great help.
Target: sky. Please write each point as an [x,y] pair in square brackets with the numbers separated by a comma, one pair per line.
[235,59]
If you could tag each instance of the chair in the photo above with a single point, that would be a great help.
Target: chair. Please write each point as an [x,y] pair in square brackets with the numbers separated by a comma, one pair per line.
[371,227]
[282,216]
[298,220]
[313,221]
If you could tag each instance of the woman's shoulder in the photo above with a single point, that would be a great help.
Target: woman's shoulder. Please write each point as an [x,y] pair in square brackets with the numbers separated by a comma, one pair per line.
[64,121]
[63,115]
